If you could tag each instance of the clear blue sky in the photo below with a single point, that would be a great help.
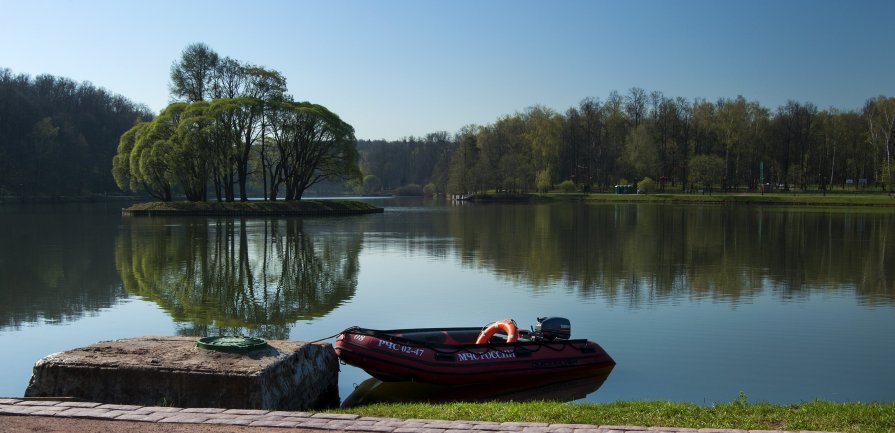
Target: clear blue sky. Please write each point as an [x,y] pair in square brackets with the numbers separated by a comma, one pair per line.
[399,68]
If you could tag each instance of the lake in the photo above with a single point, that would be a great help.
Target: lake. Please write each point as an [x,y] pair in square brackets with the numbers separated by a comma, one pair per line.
[695,303]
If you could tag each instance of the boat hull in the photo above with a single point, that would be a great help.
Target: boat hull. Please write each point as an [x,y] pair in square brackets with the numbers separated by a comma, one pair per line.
[446,356]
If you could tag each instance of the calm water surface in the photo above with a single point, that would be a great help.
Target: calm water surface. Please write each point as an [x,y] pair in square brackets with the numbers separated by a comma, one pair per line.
[694,303]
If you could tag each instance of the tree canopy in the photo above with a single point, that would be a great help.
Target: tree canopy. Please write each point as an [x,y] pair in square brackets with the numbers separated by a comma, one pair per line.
[236,124]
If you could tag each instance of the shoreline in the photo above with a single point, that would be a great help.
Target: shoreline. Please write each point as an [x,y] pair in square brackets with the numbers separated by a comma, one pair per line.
[281,207]
[252,208]
[771,199]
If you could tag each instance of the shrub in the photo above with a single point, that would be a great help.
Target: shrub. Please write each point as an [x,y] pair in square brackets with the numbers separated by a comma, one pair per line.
[430,190]
[646,186]
[567,186]
[410,190]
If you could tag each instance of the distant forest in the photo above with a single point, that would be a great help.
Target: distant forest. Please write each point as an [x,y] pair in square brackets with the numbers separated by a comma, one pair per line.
[731,144]
[58,137]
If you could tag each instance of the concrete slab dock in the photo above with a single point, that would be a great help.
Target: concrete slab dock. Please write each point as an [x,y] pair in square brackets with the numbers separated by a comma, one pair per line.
[284,375]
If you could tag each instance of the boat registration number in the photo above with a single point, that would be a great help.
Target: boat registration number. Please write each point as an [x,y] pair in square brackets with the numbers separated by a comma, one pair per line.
[402,348]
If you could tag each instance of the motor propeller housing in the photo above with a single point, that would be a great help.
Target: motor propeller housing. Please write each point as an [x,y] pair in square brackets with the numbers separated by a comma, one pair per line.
[552,328]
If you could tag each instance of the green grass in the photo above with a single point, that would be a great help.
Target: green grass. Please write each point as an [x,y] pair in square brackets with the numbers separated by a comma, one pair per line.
[813,199]
[815,416]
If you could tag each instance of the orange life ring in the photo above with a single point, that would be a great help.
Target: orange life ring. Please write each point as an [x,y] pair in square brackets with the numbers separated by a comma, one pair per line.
[507,325]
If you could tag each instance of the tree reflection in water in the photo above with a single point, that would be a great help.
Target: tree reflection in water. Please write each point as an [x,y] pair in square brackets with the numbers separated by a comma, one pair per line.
[639,255]
[55,263]
[237,276]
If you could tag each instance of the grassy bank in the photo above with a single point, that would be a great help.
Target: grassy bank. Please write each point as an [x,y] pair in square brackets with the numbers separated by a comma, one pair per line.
[300,207]
[812,416]
[803,199]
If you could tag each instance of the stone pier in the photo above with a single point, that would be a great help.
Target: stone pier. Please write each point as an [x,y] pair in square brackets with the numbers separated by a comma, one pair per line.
[172,371]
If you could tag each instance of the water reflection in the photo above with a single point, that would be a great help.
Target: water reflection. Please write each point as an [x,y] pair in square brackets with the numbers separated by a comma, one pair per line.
[643,254]
[708,284]
[237,276]
[373,391]
[53,267]
[58,262]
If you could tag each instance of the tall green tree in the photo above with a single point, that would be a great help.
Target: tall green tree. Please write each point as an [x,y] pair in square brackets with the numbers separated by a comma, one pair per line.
[880,115]
[243,118]
[794,127]
[195,150]
[635,105]
[543,135]
[314,145]
[193,75]
[202,75]
[707,170]
[642,152]
[149,160]
[617,129]
[461,178]
[125,176]
[740,125]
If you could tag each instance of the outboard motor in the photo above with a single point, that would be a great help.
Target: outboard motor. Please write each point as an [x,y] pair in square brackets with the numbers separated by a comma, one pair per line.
[552,328]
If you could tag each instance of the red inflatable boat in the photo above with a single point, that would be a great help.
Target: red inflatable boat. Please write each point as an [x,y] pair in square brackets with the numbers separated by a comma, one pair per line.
[453,355]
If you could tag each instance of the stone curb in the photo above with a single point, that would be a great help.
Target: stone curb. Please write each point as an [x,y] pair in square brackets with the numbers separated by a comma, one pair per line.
[307,420]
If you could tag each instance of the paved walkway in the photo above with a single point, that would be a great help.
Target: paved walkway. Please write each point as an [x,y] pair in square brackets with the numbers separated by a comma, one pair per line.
[308,420]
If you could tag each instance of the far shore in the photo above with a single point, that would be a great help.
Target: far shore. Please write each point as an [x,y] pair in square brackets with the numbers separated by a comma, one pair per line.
[312,205]
[838,199]
[777,198]
[253,208]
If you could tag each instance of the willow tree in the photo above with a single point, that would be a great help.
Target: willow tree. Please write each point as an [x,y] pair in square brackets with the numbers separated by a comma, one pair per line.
[239,92]
[143,160]
[121,167]
[241,119]
[155,152]
[194,150]
[313,144]
[173,149]
[222,168]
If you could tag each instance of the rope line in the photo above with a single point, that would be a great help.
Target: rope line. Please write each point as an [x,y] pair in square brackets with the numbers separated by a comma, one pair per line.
[349,329]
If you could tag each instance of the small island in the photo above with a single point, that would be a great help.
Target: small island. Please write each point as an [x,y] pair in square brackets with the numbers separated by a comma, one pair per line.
[253,208]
